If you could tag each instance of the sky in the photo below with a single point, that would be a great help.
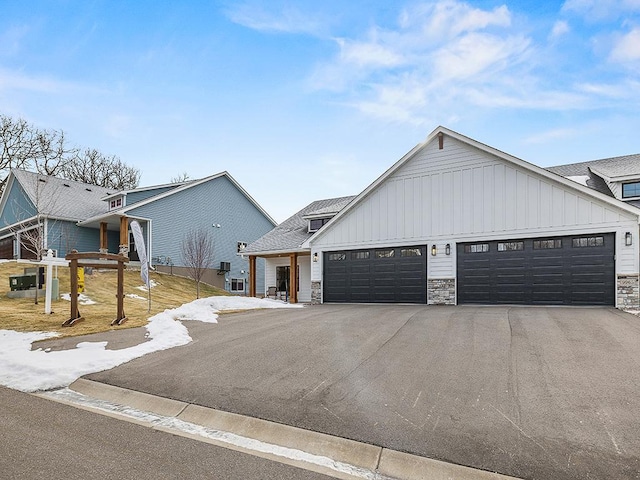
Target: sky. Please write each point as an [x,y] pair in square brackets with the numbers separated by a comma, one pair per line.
[305,100]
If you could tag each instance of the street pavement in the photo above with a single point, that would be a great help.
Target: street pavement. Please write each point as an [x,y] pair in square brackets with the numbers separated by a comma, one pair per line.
[532,392]
[42,439]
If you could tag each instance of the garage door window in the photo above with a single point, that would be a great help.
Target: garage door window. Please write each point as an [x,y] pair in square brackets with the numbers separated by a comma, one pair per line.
[547,244]
[385,253]
[337,257]
[476,248]
[410,252]
[587,242]
[508,246]
[360,255]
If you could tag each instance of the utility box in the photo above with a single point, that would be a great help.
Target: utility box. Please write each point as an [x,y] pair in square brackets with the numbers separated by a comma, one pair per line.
[39,271]
[22,282]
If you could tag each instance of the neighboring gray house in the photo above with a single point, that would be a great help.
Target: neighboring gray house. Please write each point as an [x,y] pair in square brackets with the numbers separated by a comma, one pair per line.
[455,221]
[287,238]
[85,217]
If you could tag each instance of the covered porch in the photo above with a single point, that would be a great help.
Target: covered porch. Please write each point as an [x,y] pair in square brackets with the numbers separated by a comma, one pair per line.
[287,276]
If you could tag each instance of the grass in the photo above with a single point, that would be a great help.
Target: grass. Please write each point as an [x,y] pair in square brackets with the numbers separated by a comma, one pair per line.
[22,314]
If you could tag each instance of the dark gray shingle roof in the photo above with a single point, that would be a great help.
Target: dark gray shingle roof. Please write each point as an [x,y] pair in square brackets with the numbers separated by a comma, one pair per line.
[60,198]
[611,167]
[293,232]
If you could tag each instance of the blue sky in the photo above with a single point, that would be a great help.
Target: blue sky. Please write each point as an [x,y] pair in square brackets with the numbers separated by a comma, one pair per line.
[302,100]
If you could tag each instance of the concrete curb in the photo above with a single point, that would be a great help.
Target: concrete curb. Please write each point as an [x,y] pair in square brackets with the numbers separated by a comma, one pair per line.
[347,459]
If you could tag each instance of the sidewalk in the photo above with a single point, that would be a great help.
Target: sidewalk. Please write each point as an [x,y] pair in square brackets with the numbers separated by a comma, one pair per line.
[321,453]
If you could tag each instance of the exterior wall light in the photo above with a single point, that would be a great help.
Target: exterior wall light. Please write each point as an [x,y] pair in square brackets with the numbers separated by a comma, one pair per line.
[434,250]
[447,249]
[315,257]
[628,239]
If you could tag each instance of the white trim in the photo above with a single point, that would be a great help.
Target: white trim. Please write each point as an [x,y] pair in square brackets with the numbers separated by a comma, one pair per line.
[179,189]
[618,178]
[433,136]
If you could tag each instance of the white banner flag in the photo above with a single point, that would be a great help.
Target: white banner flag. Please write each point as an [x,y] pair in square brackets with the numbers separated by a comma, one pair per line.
[142,252]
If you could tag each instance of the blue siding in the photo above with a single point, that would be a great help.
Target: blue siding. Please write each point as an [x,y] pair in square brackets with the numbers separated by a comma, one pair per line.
[66,236]
[18,206]
[136,197]
[217,201]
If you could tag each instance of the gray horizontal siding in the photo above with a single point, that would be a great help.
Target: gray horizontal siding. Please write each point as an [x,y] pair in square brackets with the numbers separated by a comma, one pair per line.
[217,201]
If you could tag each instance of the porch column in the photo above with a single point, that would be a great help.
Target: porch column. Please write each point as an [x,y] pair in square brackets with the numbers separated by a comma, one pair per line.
[252,275]
[124,236]
[293,278]
[104,243]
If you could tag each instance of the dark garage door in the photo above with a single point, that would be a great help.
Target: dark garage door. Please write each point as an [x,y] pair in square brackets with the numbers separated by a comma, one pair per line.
[386,275]
[572,270]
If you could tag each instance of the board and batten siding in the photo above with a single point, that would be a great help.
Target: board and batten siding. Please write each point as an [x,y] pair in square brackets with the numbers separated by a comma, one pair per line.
[216,201]
[462,193]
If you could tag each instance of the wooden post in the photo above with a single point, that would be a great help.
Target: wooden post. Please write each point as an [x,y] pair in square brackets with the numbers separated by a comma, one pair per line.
[293,278]
[120,294]
[104,242]
[74,289]
[101,260]
[252,275]
[124,235]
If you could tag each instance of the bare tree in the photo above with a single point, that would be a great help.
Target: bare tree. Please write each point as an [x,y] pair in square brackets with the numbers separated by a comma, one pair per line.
[183,177]
[27,147]
[197,254]
[91,166]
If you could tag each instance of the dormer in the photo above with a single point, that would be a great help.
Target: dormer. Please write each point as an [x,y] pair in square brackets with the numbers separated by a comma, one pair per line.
[116,201]
[623,183]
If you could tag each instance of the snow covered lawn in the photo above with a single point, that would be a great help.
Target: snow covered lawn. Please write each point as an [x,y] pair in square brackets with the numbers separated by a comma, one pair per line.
[29,371]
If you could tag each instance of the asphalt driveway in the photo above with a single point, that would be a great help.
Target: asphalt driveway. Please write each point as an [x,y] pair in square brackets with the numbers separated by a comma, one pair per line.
[534,392]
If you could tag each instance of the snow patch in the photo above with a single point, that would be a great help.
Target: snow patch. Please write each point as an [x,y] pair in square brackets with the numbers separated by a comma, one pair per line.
[152,284]
[82,299]
[30,370]
[133,295]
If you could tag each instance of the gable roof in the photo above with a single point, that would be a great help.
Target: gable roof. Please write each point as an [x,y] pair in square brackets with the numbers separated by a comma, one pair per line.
[123,211]
[294,231]
[59,198]
[613,169]
[487,149]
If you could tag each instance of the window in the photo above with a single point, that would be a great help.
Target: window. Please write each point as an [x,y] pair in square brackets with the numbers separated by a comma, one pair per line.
[410,252]
[316,223]
[508,246]
[587,242]
[631,190]
[116,203]
[237,284]
[360,255]
[476,248]
[385,253]
[547,244]
[337,257]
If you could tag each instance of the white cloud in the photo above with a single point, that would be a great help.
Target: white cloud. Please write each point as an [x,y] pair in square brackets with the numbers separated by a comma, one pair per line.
[627,48]
[559,29]
[284,20]
[474,54]
[448,18]
[552,135]
[365,54]
[594,10]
